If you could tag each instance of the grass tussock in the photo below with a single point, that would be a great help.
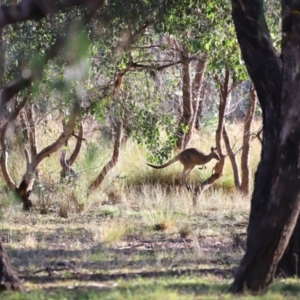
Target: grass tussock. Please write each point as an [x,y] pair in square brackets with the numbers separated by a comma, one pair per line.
[136,237]
[108,233]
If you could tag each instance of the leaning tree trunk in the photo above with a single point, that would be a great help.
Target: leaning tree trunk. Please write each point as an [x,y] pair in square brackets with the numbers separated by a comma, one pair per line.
[25,188]
[242,182]
[225,91]
[114,159]
[33,159]
[275,201]
[218,169]
[8,278]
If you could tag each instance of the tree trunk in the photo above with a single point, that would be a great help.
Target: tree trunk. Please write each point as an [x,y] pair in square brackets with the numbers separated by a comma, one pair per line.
[289,265]
[196,87]
[186,99]
[114,159]
[8,278]
[218,172]
[24,189]
[199,115]
[275,201]
[245,184]
[31,118]
[231,155]
[4,155]
[218,169]
[66,164]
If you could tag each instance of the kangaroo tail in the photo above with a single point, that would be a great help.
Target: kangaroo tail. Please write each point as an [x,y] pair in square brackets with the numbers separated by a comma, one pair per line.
[166,164]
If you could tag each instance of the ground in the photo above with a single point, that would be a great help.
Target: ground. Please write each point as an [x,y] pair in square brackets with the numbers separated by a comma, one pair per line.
[131,251]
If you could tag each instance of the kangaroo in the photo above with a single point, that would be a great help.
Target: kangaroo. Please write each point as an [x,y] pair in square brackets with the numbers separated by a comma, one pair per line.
[190,158]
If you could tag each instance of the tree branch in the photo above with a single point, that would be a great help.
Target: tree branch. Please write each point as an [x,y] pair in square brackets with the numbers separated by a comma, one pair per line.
[3,159]
[63,137]
[33,73]
[34,10]
[76,151]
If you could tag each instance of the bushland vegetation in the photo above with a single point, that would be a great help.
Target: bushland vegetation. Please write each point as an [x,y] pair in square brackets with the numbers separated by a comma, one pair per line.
[91,92]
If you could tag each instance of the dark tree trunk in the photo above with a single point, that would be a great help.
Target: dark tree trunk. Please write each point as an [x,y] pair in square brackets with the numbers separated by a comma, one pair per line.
[8,278]
[275,201]
[23,192]
[289,265]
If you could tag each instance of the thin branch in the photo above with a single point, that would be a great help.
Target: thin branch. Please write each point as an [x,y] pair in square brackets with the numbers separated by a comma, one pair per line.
[63,137]
[153,67]
[78,137]
[33,73]
[234,86]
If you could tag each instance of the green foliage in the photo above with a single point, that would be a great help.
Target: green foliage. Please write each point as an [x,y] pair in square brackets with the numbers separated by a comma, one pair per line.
[99,109]
[148,128]
[219,41]
[273,18]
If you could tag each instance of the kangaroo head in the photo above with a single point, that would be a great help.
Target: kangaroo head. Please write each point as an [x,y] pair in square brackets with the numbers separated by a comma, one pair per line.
[214,153]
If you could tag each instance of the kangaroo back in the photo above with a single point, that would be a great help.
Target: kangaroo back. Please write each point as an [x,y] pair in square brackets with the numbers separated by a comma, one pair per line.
[176,158]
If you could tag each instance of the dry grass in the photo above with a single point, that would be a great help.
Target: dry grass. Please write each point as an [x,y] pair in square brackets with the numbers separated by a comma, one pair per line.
[109,232]
[123,238]
[127,179]
[140,221]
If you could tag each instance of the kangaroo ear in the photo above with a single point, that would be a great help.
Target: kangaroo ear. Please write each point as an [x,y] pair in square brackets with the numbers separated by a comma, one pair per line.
[212,149]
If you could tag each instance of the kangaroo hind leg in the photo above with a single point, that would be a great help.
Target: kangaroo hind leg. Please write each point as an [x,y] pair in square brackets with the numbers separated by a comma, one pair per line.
[186,171]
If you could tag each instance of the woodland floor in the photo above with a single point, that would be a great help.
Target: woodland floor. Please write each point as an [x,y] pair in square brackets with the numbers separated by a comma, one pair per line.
[110,254]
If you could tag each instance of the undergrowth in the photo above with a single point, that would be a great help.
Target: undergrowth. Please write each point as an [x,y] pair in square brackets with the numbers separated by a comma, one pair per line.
[137,237]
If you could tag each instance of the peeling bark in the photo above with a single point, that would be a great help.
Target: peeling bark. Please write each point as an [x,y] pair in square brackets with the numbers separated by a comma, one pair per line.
[31,119]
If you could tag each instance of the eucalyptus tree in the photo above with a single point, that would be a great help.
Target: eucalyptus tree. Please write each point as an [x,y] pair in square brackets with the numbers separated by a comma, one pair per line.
[25,42]
[24,78]
[131,21]
[201,32]
[273,230]
[142,52]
